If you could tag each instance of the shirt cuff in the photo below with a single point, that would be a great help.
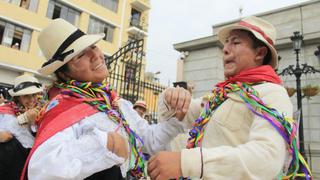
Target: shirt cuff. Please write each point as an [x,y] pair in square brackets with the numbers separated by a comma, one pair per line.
[22,119]
[180,125]
[103,140]
[191,162]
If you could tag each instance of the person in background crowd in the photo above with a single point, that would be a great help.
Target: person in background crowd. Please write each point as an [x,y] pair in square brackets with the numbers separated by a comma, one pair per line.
[245,130]
[141,107]
[16,119]
[87,131]
[15,46]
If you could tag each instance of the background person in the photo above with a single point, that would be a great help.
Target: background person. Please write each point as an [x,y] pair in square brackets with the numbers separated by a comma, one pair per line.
[141,107]
[16,119]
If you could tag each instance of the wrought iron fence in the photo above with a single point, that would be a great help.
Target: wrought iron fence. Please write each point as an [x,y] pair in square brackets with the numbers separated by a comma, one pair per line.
[125,68]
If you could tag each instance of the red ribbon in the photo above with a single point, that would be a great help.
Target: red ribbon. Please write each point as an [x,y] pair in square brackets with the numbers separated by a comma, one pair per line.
[257,29]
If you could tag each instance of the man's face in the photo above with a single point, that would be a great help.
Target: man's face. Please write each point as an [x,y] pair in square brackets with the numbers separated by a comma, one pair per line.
[28,101]
[239,54]
[88,66]
[140,110]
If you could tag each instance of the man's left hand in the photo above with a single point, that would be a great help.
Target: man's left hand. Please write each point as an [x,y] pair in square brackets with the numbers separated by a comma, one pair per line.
[165,165]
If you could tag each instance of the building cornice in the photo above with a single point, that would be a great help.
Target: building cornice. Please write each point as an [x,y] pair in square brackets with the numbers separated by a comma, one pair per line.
[267,13]
[22,69]
[20,23]
[200,43]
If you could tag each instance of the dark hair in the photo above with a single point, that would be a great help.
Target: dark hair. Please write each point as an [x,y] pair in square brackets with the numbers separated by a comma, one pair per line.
[258,43]
[62,69]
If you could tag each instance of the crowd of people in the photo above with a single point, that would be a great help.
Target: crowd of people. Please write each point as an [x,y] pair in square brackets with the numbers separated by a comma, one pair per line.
[84,130]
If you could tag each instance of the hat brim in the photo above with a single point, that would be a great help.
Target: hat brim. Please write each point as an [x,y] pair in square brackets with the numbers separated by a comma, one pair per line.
[224,33]
[139,105]
[26,91]
[78,46]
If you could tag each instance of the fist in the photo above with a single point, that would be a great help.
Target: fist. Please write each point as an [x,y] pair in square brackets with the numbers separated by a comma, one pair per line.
[179,100]
[5,136]
[32,115]
[118,145]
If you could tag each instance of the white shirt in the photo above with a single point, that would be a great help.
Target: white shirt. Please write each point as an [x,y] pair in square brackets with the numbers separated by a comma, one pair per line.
[23,134]
[80,150]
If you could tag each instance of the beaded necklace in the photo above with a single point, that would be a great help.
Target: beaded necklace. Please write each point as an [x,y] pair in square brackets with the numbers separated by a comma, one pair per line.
[285,126]
[102,97]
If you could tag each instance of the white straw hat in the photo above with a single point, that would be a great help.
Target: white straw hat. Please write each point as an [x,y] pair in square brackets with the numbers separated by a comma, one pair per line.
[60,41]
[260,28]
[24,85]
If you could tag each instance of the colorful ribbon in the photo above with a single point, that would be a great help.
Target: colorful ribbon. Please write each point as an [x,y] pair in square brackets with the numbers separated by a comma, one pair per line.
[102,97]
[285,126]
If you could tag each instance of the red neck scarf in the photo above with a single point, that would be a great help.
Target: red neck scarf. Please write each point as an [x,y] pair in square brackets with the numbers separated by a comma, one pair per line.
[263,73]
[12,108]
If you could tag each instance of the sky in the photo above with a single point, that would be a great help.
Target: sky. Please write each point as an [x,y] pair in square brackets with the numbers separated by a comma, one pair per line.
[175,21]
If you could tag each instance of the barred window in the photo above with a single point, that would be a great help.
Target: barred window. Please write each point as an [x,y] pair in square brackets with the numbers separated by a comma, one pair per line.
[110,4]
[31,5]
[14,36]
[59,10]
[97,26]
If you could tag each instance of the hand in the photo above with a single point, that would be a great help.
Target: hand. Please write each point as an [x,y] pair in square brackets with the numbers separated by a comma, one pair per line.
[178,99]
[165,165]
[32,115]
[2,100]
[5,136]
[117,144]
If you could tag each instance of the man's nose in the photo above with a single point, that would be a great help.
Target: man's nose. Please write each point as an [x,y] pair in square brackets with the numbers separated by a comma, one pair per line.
[226,49]
[94,54]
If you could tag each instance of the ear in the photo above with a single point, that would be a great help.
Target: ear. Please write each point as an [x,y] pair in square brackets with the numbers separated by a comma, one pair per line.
[64,76]
[261,53]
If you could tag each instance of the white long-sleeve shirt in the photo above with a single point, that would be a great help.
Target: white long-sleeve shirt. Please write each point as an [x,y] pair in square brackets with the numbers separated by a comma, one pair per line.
[23,134]
[237,144]
[80,150]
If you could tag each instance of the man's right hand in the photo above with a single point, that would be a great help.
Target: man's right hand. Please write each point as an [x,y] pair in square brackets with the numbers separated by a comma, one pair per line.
[117,144]
[5,136]
[178,99]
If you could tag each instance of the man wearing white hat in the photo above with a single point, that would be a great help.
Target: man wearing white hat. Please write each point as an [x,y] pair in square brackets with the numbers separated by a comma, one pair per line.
[245,130]
[16,118]
[87,131]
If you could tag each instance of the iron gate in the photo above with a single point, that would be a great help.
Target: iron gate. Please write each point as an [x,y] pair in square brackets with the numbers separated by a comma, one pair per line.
[125,68]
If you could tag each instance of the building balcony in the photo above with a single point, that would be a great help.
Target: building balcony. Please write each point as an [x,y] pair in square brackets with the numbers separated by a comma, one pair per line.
[142,5]
[136,28]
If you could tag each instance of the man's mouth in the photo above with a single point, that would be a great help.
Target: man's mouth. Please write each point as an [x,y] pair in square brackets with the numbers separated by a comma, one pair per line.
[228,62]
[99,66]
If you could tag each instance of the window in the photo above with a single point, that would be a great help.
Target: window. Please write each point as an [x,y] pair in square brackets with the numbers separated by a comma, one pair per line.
[14,36]
[31,5]
[58,10]
[110,4]
[97,26]
[135,18]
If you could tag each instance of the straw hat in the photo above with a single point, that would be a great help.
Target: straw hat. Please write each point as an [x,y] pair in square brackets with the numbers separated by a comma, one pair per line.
[140,103]
[25,84]
[260,28]
[60,41]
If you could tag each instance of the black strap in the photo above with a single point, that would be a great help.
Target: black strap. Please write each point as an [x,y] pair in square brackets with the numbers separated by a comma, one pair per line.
[58,55]
[26,85]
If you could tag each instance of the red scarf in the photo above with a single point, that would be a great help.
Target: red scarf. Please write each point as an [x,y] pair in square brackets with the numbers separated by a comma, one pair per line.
[11,108]
[254,75]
